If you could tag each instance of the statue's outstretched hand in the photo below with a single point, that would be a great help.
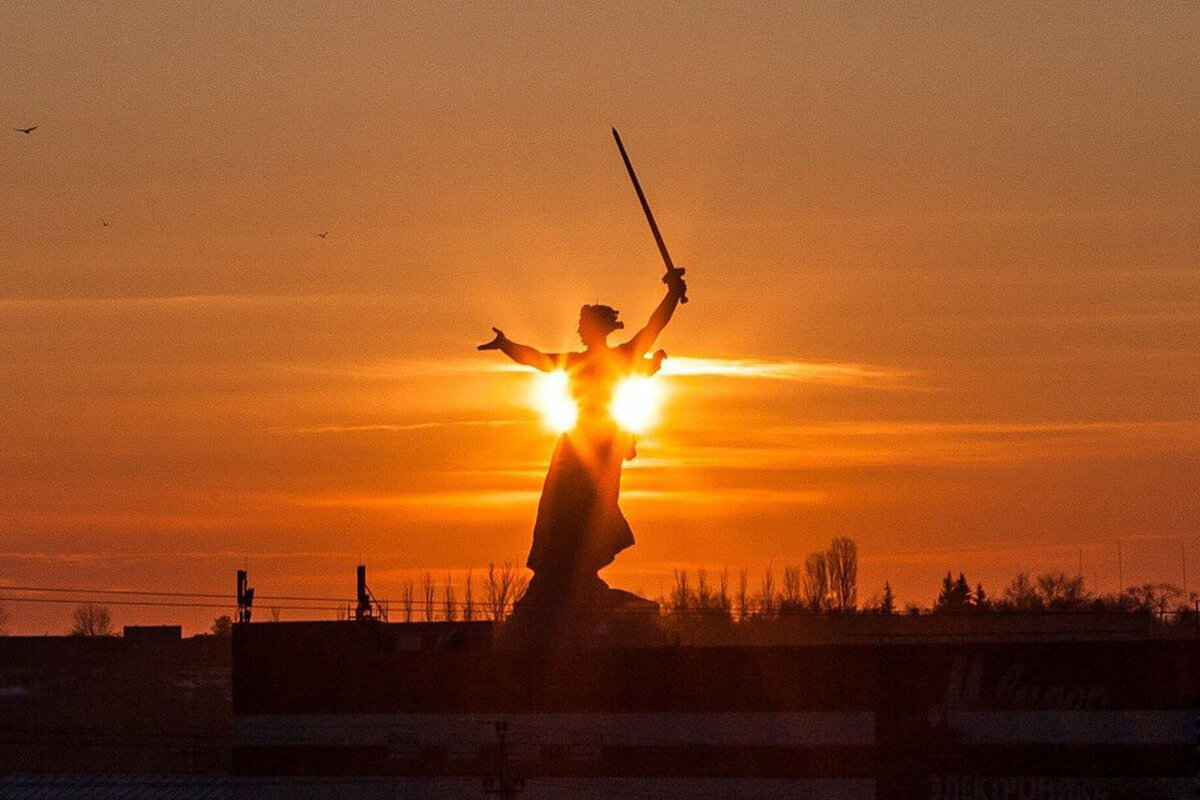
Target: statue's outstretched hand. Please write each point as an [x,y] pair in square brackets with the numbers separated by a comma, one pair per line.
[496,343]
[651,364]
[656,361]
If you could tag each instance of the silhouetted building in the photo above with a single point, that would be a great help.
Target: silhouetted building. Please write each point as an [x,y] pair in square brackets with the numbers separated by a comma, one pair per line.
[412,711]
[146,702]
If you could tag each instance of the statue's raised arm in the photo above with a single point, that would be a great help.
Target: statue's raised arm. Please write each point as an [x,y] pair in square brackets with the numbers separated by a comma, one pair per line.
[522,353]
[645,338]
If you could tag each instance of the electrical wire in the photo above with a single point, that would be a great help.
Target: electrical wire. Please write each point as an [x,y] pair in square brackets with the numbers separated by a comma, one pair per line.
[77,601]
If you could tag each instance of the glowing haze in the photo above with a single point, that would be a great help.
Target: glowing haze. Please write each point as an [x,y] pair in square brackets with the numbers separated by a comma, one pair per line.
[943,266]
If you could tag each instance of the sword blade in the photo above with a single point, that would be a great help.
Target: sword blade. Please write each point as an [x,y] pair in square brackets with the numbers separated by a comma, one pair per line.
[637,187]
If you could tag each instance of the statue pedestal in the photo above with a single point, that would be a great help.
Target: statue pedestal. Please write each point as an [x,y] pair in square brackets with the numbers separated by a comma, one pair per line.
[582,612]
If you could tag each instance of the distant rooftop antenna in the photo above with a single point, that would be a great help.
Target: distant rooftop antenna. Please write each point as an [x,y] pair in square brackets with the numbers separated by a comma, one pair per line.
[368,607]
[245,596]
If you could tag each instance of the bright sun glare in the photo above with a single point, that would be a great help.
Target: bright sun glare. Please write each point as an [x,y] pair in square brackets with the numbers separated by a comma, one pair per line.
[635,402]
[555,401]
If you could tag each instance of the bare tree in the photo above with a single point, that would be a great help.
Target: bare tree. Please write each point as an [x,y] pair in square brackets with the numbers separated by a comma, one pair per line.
[469,600]
[681,593]
[766,603]
[793,590]
[1060,592]
[406,600]
[222,625]
[1022,595]
[448,603]
[90,619]
[429,594]
[743,593]
[816,581]
[276,613]
[723,603]
[503,587]
[704,595]
[843,573]
[1154,598]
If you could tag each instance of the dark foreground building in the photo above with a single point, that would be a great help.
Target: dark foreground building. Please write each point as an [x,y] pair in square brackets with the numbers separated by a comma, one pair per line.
[370,710]
[143,715]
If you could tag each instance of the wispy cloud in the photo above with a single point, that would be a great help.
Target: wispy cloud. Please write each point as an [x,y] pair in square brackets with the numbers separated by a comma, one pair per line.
[400,369]
[748,368]
[809,371]
[88,557]
[444,500]
[833,373]
[242,299]
[882,442]
[401,427]
[134,520]
[730,497]
[524,499]
[984,428]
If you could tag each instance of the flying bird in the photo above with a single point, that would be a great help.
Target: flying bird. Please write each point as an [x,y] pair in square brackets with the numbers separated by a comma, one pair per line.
[322,235]
[28,130]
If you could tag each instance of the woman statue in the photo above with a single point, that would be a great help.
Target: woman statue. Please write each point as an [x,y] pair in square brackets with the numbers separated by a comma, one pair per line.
[580,528]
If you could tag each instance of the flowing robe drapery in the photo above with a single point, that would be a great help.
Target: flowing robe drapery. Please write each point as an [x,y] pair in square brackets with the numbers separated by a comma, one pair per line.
[580,527]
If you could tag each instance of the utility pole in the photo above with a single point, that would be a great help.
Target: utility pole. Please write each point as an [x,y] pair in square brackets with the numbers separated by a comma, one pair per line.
[245,596]
[367,607]
[500,780]
[362,594]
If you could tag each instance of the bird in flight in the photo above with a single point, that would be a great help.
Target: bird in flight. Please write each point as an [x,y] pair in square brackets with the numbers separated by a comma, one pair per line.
[322,235]
[28,130]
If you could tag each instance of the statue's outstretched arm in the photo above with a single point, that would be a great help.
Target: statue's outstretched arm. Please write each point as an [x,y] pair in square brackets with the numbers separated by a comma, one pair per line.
[521,353]
[645,338]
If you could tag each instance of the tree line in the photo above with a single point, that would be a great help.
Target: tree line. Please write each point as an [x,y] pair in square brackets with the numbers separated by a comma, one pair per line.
[826,583]
[1058,591]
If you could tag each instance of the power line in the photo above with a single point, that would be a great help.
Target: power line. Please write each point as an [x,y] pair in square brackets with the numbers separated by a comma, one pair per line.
[417,603]
[71,590]
[77,601]
[147,593]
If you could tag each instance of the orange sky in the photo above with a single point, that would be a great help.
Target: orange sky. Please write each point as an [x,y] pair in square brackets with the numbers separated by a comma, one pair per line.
[956,246]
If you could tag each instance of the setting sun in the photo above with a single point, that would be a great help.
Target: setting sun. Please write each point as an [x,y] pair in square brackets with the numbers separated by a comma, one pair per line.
[554,401]
[636,402]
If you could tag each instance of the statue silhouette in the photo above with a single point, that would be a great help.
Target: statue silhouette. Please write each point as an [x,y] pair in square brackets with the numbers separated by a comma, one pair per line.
[580,527]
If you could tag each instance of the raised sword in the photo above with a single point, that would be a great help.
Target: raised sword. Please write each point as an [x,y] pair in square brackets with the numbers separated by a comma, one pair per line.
[637,187]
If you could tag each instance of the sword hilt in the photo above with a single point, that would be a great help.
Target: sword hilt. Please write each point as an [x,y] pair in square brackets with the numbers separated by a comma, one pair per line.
[672,271]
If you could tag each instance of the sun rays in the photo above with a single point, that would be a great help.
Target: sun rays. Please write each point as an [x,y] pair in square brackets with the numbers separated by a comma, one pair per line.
[636,403]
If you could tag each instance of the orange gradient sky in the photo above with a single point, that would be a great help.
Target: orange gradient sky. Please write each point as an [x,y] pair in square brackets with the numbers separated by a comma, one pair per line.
[943,266]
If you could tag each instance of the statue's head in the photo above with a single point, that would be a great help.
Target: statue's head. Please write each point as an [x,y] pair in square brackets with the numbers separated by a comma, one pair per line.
[596,323]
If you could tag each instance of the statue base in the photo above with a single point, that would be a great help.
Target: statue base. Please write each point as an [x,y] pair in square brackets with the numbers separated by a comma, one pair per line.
[580,612]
